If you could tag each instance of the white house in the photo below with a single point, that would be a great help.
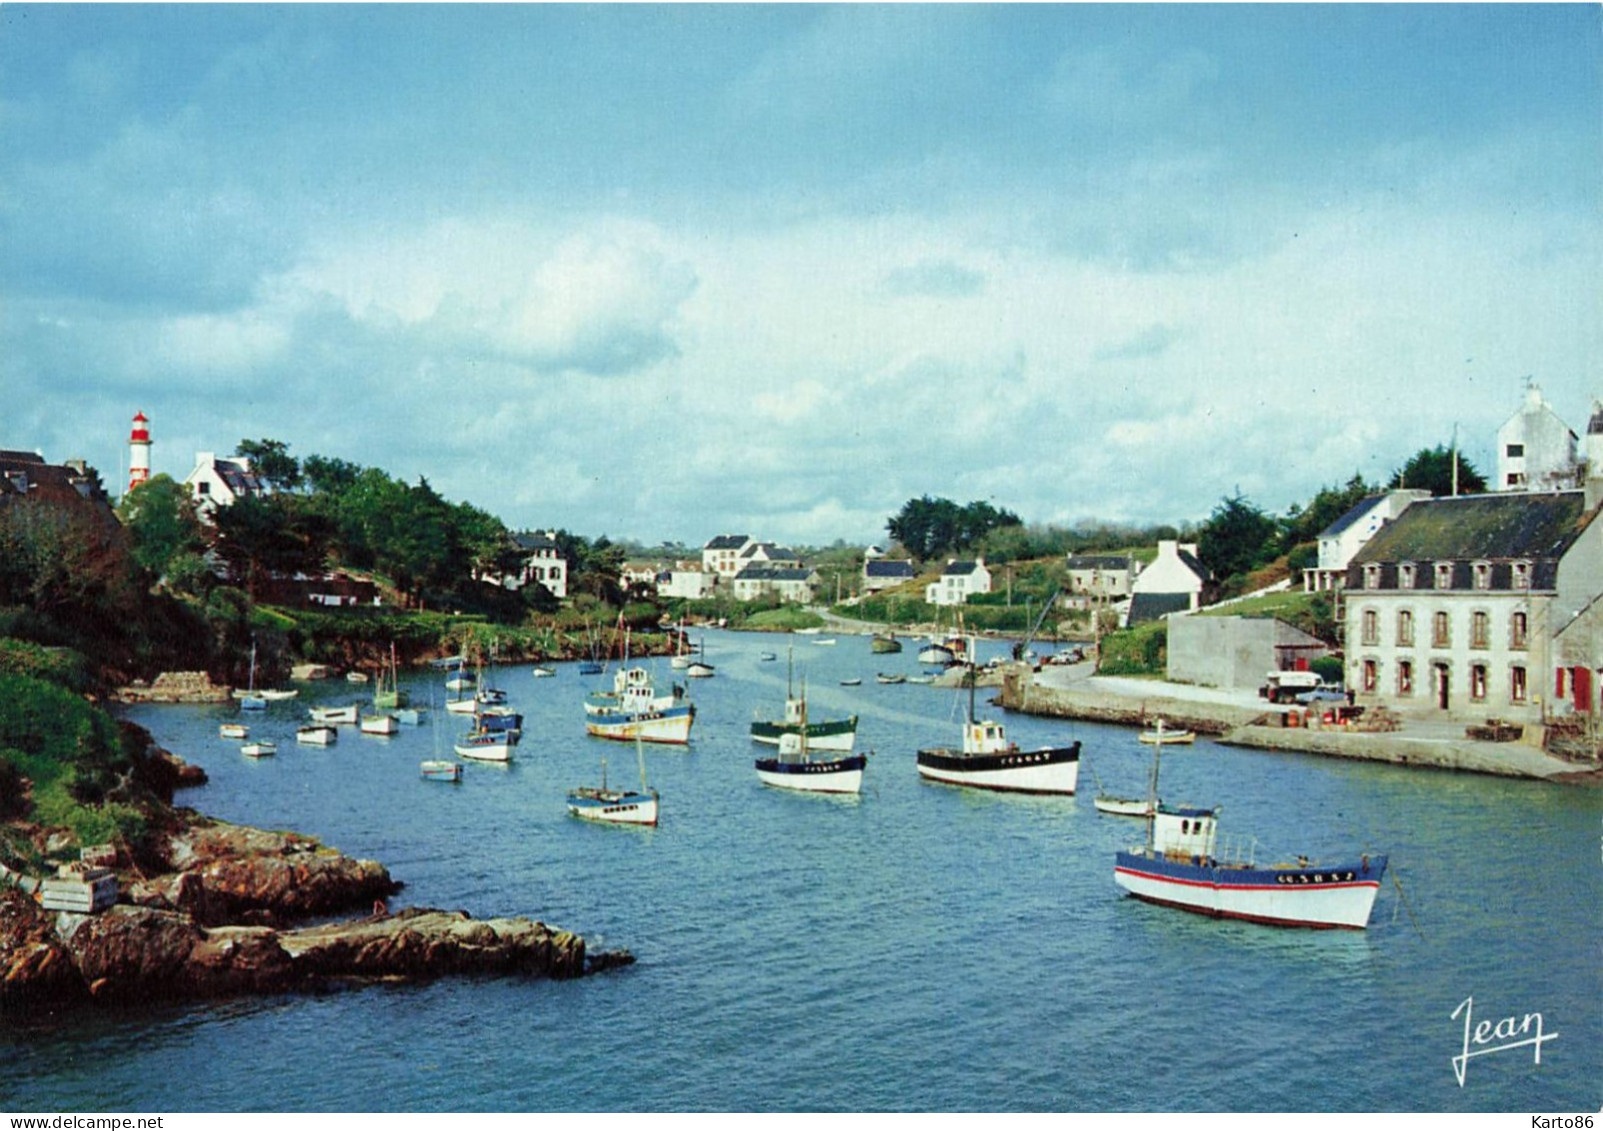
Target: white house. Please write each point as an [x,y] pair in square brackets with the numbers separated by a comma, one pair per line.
[958,581]
[1536,451]
[721,556]
[1173,583]
[685,583]
[1341,540]
[221,482]
[788,584]
[1465,606]
[767,554]
[543,564]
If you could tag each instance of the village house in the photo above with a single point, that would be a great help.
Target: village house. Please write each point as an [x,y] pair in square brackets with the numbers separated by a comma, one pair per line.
[958,581]
[1341,540]
[26,476]
[767,554]
[686,581]
[543,564]
[787,583]
[882,573]
[1101,576]
[1480,606]
[721,556]
[1173,583]
[221,482]
[1536,451]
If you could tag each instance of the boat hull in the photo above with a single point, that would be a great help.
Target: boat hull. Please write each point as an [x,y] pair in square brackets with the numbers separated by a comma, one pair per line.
[671,725]
[1167,738]
[613,806]
[441,771]
[838,775]
[1051,769]
[380,724]
[1123,807]
[320,735]
[838,734]
[334,714]
[1316,896]
[258,750]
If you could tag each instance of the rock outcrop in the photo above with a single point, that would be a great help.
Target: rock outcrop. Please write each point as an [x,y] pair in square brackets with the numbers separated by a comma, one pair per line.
[214,925]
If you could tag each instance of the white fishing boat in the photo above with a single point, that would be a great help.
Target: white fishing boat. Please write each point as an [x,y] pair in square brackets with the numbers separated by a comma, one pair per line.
[617,806]
[380,724]
[234,730]
[1181,866]
[411,716]
[276,695]
[889,678]
[987,760]
[261,748]
[317,734]
[798,767]
[543,672]
[826,734]
[1122,806]
[699,670]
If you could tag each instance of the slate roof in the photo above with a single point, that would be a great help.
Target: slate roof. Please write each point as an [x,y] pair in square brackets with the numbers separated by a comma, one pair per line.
[1099,561]
[1154,606]
[1190,561]
[240,479]
[770,573]
[1511,525]
[896,569]
[27,475]
[959,569]
[728,542]
[532,542]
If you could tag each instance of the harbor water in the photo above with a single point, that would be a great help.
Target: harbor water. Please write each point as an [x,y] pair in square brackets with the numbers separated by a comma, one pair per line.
[919,947]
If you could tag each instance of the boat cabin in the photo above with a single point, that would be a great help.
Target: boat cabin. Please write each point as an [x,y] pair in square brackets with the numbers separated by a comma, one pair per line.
[985,738]
[1182,831]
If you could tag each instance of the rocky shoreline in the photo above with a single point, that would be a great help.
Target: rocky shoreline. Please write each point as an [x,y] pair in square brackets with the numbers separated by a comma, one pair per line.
[220,917]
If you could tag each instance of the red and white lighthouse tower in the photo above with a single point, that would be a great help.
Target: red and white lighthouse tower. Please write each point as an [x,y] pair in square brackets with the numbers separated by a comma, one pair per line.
[139,452]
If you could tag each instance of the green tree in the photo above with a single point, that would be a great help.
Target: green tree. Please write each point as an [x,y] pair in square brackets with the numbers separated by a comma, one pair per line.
[1431,469]
[163,527]
[270,460]
[928,527]
[1237,537]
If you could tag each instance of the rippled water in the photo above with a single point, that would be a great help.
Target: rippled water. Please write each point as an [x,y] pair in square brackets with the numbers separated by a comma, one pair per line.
[918,948]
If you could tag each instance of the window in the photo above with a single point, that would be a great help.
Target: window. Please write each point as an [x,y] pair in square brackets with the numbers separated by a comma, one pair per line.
[1371,627]
[1405,677]
[1483,575]
[1371,674]
[1516,683]
[203,488]
[1477,681]
[1522,575]
[1440,636]
[1519,625]
[1444,575]
[1405,576]
[1372,577]
[1405,628]
[1516,451]
[1479,630]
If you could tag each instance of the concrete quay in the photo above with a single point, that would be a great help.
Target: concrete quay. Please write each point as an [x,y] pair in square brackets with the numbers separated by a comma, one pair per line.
[1242,719]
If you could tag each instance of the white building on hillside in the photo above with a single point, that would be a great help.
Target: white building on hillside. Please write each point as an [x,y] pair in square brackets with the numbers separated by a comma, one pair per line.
[1341,540]
[1536,451]
[959,581]
[221,482]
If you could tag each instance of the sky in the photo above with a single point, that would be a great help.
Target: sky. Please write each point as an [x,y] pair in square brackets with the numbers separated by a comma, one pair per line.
[667,272]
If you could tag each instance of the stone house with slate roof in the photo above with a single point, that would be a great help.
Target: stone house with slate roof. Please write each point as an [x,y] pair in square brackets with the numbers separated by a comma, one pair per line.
[1102,575]
[1466,607]
[26,476]
[788,584]
[543,564]
[882,573]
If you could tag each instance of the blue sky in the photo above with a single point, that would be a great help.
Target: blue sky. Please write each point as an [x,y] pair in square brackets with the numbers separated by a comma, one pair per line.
[666,272]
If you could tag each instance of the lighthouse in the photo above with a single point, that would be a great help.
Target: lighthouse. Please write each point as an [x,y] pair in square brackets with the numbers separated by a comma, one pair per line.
[139,452]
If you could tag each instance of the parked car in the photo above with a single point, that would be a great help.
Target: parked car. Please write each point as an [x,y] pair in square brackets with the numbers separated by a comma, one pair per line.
[1324,694]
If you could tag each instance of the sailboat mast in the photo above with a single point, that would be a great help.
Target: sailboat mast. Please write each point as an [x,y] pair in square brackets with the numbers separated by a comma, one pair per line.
[1152,788]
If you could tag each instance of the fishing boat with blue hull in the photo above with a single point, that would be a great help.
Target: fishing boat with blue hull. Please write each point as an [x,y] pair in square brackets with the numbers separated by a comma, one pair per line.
[633,709]
[1180,866]
[487,745]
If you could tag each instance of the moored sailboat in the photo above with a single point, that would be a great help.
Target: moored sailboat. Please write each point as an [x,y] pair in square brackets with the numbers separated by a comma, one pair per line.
[617,806]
